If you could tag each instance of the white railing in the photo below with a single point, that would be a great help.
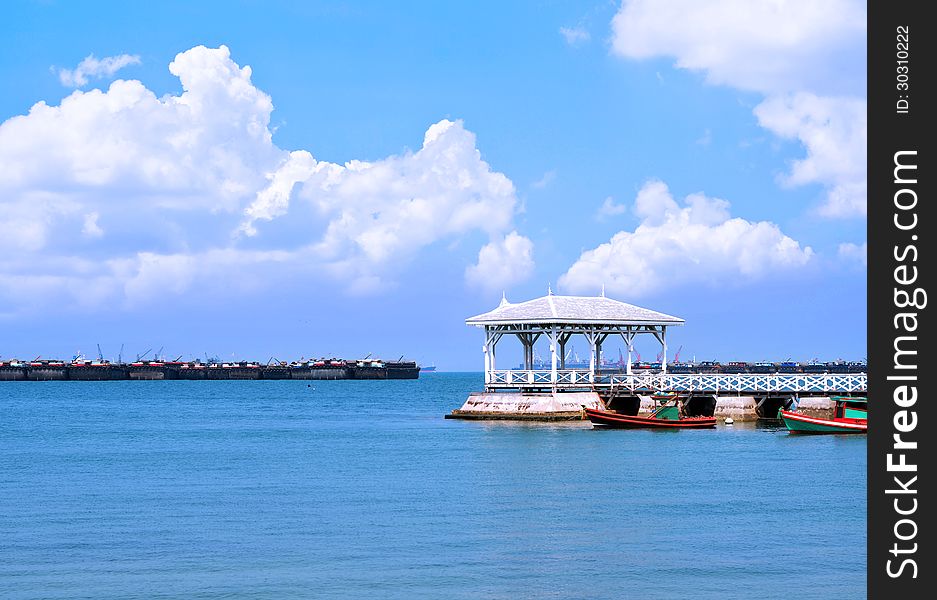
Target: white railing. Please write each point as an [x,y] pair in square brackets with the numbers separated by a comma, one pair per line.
[702,383]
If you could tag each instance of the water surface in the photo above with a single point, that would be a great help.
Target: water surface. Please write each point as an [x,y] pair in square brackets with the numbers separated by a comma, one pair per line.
[352,489]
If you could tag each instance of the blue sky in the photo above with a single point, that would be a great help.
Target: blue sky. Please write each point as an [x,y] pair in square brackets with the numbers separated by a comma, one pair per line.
[386,170]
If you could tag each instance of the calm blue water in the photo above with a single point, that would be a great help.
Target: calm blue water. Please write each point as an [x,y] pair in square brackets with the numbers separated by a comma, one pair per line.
[354,489]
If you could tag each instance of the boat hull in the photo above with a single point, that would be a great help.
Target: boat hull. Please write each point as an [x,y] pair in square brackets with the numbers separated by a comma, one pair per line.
[12,373]
[319,373]
[798,423]
[46,373]
[601,418]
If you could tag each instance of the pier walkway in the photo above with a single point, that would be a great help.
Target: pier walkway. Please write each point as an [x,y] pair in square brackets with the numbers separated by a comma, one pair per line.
[742,383]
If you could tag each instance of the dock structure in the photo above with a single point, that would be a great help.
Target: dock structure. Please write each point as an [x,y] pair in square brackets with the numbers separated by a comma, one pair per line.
[100,370]
[651,383]
[558,392]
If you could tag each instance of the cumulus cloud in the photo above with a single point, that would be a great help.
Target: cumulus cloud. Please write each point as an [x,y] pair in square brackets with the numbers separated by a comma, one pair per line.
[207,148]
[135,192]
[806,57]
[502,262]
[757,45]
[382,212]
[274,200]
[94,68]
[696,243]
[833,131]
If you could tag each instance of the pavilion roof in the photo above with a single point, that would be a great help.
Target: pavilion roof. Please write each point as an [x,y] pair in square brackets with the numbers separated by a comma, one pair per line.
[555,310]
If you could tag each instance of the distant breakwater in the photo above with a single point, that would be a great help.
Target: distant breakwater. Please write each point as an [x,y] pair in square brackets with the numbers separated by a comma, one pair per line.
[52,370]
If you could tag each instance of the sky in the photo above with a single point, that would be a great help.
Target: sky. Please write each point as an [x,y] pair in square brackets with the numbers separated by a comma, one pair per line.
[258,180]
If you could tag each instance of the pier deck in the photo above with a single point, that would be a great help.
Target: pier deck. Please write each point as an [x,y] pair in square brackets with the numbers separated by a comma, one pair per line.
[573,379]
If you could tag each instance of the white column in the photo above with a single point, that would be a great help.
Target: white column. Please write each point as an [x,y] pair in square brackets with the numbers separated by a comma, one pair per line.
[528,354]
[491,351]
[599,340]
[629,342]
[592,337]
[523,338]
[663,343]
[487,365]
[553,343]
[487,356]
[564,337]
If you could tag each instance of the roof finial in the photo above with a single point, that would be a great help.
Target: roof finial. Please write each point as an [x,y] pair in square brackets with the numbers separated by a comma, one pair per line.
[549,290]
[603,290]
[504,300]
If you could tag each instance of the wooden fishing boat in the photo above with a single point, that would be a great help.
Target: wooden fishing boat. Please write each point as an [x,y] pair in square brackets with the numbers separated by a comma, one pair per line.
[665,417]
[849,416]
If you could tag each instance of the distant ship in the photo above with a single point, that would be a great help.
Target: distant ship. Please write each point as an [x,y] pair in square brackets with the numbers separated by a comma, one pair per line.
[427,368]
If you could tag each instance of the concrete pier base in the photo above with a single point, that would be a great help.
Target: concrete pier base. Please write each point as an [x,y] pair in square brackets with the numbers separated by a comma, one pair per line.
[737,408]
[562,406]
[819,406]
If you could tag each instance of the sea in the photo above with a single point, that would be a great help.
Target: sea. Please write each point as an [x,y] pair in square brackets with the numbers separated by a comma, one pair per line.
[361,489]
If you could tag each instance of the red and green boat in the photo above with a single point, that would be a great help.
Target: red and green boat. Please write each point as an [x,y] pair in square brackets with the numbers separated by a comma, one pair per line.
[665,417]
[850,415]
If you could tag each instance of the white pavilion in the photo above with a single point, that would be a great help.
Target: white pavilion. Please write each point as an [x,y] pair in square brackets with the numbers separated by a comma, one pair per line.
[560,318]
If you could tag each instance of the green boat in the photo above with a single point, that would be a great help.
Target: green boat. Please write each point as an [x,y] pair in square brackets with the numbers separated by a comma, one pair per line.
[850,415]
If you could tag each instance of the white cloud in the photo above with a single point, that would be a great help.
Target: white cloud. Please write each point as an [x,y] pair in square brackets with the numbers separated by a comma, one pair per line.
[274,200]
[95,68]
[767,46]
[610,208]
[380,213]
[91,227]
[575,35]
[148,276]
[21,233]
[143,278]
[858,253]
[698,243]
[544,181]
[502,262]
[807,57]
[194,179]
[207,148]
[833,131]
